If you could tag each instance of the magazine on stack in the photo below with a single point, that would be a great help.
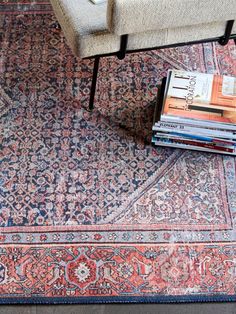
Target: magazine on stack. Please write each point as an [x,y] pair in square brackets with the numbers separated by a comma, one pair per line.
[196,111]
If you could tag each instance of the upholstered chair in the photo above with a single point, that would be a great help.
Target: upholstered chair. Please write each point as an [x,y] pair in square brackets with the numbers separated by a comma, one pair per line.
[117,27]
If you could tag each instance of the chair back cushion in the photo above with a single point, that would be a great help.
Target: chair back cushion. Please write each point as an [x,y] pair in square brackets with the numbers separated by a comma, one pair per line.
[134,16]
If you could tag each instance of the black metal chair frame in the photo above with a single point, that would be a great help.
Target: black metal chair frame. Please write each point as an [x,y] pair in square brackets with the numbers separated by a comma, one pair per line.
[223,40]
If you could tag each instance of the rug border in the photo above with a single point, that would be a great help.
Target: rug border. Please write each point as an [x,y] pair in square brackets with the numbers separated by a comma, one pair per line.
[125,300]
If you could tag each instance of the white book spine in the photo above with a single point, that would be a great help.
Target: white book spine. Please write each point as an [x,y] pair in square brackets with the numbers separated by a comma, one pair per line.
[202,123]
[168,127]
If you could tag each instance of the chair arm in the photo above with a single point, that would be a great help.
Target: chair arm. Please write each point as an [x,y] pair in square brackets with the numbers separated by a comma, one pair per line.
[134,16]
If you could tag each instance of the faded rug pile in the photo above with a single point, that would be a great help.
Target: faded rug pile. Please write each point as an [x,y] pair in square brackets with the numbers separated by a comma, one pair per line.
[89,210]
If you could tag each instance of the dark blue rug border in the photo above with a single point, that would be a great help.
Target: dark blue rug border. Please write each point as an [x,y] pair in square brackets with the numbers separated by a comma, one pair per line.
[123,299]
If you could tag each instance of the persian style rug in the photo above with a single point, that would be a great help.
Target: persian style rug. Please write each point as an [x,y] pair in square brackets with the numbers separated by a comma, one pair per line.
[90,212]
[16,7]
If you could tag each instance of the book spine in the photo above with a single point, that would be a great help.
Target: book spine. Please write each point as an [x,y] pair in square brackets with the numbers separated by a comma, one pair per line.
[194,137]
[165,126]
[203,138]
[191,147]
[214,147]
[196,132]
[199,144]
[208,124]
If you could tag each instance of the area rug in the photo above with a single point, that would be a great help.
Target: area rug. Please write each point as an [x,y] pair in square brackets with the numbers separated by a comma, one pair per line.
[17,7]
[90,212]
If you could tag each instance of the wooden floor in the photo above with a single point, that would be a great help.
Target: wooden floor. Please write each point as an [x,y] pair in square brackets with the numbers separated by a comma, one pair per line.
[206,308]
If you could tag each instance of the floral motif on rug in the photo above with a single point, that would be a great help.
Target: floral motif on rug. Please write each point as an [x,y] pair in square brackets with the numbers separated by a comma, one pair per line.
[89,210]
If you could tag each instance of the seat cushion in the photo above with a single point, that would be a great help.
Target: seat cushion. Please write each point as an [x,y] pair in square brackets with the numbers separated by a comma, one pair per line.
[107,43]
[177,35]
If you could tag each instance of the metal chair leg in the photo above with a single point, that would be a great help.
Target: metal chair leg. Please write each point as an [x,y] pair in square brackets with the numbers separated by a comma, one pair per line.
[225,39]
[94,83]
[123,47]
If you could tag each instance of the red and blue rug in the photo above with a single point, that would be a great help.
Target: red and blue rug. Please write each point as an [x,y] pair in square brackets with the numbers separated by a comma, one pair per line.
[89,211]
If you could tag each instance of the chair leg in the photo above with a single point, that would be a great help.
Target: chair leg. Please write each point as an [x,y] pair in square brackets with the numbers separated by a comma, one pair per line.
[228,30]
[94,83]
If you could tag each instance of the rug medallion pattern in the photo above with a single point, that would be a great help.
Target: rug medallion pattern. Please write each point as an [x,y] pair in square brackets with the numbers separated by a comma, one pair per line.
[88,209]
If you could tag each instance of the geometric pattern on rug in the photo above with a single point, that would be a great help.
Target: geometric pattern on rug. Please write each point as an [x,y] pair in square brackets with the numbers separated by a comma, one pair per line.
[88,207]
[16,7]
[117,270]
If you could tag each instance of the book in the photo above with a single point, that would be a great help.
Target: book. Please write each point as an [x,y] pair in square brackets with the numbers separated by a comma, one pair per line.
[208,100]
[171,126]
[192,141]
[196,111]
[191,147]
[206,139]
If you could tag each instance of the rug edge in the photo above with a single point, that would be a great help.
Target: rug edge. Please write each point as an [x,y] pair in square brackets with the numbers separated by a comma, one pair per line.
[113,300]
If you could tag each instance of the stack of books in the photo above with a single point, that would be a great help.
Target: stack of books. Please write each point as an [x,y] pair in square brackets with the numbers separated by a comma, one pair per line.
[196,111]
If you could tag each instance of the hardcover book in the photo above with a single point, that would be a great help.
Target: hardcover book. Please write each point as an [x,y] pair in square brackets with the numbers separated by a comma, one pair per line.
[209,99]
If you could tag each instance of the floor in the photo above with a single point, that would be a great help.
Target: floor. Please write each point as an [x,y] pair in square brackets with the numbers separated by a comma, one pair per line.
[209,308]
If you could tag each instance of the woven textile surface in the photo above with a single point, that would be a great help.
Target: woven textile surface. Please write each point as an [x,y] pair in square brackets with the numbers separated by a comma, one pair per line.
[89,210]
